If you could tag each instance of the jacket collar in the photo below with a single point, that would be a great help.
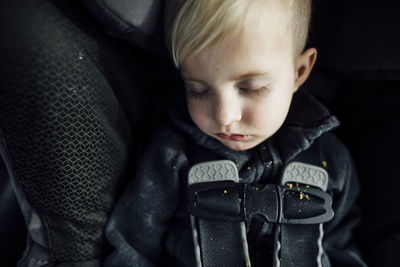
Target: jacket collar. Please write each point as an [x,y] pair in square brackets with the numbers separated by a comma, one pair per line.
[307,120]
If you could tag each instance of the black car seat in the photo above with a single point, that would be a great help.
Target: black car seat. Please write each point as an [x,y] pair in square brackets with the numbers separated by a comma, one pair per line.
[74,108]
[83,84]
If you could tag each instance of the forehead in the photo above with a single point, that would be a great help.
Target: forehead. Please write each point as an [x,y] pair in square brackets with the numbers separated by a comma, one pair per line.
[256,47]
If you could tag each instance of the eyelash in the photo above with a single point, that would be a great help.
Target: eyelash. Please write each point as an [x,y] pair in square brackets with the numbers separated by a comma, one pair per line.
[196,95]
[255,92]
[248,92]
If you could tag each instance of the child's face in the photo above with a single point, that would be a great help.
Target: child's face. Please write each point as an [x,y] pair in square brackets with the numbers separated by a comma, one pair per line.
[240,93]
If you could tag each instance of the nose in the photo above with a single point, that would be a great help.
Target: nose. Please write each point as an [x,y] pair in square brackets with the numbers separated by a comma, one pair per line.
[227,110]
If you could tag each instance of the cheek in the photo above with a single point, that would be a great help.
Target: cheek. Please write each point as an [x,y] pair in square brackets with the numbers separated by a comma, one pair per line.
[269,114]
[199,114]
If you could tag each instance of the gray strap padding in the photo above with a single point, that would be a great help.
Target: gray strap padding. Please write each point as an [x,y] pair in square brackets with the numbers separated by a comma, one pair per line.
[298,172]
[288,251]
[226,245]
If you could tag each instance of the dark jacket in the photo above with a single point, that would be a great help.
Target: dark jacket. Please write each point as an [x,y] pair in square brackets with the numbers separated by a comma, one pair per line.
[150,225]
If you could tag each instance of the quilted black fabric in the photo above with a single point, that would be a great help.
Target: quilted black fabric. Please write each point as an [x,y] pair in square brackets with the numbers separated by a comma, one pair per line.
[68,139]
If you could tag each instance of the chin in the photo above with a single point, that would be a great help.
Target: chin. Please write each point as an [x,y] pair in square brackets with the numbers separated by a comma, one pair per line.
[239,145]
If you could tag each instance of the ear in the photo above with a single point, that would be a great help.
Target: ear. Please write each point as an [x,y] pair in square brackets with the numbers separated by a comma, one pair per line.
[305,63]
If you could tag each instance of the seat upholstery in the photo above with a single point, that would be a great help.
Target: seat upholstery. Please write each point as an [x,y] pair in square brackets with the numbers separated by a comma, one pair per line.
[69,132]
[12,226]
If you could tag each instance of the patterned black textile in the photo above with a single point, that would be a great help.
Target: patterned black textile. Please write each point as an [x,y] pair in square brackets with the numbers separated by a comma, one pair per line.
[66,112]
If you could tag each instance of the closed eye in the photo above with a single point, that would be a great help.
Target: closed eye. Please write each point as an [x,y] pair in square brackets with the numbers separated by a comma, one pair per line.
[196,89]
[255,92]
[197,95]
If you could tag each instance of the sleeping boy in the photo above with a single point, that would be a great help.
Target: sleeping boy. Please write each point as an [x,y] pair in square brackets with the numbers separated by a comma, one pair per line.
[242,63]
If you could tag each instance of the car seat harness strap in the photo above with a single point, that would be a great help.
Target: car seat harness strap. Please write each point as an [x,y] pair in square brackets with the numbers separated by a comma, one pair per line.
[220,206]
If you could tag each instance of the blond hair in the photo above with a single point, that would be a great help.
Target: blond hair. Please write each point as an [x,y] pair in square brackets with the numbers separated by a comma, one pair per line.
[193,25]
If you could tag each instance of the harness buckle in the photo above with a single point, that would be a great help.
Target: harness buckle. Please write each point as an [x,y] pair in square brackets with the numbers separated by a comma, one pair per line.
[287,204]
[218,200]
[304,205]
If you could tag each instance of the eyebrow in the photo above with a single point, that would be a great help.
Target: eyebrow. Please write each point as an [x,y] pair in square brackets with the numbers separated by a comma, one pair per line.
[249,75]
[241,77]
[186,78]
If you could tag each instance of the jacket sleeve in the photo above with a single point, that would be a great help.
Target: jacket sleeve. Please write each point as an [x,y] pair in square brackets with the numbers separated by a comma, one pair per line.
[143,214]
[344,188]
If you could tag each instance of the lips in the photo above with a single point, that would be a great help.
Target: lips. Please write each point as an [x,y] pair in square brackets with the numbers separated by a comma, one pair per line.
[232,137]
